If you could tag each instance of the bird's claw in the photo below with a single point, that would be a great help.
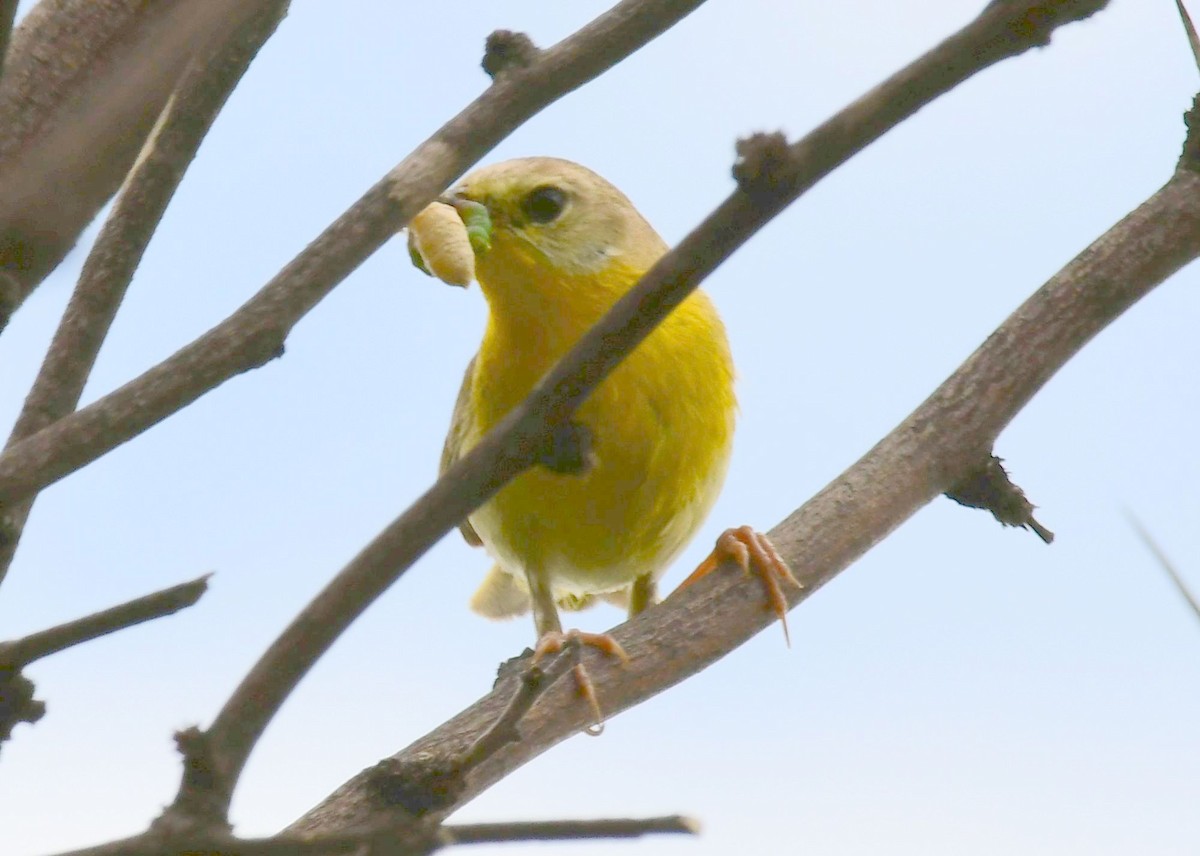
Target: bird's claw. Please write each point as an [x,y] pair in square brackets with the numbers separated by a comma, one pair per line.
[754,553]
[556,641]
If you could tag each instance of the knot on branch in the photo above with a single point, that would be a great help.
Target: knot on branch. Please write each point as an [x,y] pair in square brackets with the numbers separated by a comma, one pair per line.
[420,785]
[10,296]
[1036,22]
[203,800]
[8,526]
[1189,159]
[988,487]
[764,164]
[17,703]
[567,449]
[256,351]
[506,51]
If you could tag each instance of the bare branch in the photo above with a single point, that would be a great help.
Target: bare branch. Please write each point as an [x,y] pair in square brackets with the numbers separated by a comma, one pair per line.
[168,152]
[421,785]
[394,840]
[21,652]
[17,703]
[83,84]
[384,842]
[569,830]
[255,333]
[1167,565]
[1190,29]
[534,682]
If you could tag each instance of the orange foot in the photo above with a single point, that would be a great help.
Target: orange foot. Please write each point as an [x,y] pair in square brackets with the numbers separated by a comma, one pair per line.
[555,641]
[754,554]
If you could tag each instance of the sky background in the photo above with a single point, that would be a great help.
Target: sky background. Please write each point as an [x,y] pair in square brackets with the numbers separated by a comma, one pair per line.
[962,688]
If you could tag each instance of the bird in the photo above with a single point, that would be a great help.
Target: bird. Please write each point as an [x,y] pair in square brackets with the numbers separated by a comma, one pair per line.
[647,451]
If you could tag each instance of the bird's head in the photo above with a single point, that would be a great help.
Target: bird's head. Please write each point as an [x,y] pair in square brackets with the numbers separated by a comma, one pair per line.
[556,225]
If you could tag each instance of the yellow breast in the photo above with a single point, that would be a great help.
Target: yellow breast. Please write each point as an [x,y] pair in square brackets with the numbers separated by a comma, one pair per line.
[661,426]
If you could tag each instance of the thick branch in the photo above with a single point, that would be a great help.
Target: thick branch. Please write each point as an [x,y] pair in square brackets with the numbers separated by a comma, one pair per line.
[8,14]
[82,87]
[165,157]
[255,333]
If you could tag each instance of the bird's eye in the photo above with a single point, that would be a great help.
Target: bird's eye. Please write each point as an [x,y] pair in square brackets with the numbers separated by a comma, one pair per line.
[544,204]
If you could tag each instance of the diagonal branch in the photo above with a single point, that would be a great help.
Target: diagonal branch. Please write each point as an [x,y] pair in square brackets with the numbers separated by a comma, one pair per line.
[772,175]
[168,152]
[255,333]
[1167,565]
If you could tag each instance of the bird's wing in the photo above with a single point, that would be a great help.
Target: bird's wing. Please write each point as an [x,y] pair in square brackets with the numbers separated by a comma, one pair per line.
[460,425]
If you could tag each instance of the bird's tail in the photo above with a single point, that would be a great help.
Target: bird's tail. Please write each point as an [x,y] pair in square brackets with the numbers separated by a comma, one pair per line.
[500,595]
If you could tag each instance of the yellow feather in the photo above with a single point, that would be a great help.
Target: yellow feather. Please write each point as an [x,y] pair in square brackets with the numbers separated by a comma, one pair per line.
[661,424]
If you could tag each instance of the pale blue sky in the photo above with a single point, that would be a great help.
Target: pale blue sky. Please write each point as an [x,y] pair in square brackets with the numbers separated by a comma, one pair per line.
[962,688]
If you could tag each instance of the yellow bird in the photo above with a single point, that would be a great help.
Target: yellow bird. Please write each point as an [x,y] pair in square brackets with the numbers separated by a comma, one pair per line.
[657,433]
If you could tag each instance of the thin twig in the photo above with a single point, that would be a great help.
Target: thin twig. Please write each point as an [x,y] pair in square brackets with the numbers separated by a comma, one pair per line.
[1167,565]
[255,333]
[569,830]
[533,682]
[1190,29]
[167,153]
[21,652]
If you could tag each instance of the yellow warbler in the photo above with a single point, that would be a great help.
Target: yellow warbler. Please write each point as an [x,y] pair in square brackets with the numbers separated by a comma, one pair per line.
[564,246]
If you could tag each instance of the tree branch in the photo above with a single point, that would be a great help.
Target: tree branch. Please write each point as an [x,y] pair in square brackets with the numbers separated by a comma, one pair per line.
[167,153]
[22,652]
[569,830]
[83,84]
[1167,565]
[17,703]
[255,333]
[394,841]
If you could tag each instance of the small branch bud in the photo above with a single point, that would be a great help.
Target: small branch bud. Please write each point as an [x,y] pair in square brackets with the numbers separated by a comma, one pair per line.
[988,487]
[506,50]
[763,164]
